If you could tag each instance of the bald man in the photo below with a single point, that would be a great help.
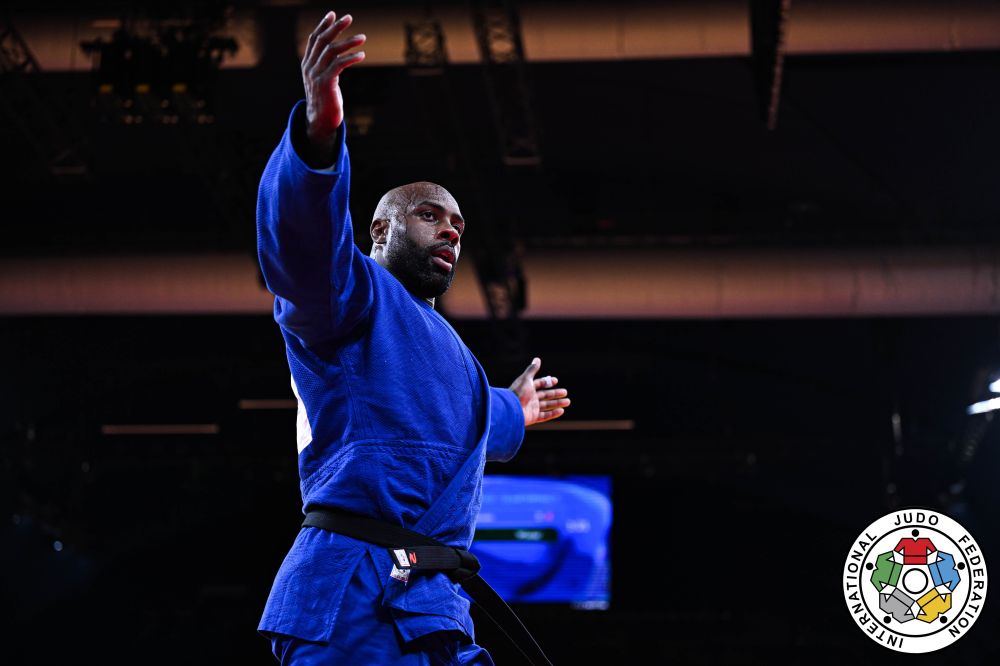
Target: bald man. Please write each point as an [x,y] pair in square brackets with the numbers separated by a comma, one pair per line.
[396,417]
[416,235]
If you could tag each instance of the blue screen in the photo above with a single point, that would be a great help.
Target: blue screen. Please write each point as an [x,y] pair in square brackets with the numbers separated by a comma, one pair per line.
[545,540]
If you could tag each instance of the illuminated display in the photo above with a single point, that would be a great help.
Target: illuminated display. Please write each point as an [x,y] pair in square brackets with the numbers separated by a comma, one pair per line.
[545,540]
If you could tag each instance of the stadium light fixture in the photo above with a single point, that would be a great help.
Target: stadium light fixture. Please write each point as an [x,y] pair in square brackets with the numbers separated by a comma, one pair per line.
[984,406]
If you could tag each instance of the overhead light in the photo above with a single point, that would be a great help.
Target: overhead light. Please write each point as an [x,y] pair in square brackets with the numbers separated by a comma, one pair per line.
[983,406]
[173,61]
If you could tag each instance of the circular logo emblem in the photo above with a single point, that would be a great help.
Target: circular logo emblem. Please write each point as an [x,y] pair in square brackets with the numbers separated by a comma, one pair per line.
[915,580]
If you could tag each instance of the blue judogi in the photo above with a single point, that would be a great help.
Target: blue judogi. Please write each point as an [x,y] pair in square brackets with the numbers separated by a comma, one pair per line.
[396,417]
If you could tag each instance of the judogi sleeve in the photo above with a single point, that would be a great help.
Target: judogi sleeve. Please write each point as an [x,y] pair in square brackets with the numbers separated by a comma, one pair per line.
[305,243]
[506,425]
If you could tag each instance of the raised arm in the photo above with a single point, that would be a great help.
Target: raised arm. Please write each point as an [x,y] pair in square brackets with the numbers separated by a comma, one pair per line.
[326,57]
[304,238]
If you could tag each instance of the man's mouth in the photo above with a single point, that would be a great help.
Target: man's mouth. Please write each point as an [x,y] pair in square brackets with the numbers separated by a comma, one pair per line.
[444,258]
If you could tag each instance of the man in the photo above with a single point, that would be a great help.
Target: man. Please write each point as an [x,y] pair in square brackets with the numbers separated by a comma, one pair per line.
[396,418]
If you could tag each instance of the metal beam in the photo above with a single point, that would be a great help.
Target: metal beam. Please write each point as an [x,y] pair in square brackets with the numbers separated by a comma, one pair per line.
[769,30]
[498,34]
[497,267]
[41,116]
[627,30]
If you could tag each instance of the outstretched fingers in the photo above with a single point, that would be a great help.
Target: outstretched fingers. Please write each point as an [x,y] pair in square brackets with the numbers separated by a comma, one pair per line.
[550,414]
[551,401]
[314,35]
[324,46]
[334,59]
[550,398]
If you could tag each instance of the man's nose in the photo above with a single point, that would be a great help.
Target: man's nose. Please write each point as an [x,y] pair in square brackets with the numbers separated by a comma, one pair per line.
[449,234]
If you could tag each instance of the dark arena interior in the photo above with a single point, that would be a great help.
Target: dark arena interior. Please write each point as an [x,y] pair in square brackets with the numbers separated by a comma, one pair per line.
[758,241]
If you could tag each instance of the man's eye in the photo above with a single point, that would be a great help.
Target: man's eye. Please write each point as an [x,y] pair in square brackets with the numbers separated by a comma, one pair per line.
[428,215]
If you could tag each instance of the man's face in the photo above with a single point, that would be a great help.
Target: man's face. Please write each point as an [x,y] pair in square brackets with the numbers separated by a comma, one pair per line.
[424,240]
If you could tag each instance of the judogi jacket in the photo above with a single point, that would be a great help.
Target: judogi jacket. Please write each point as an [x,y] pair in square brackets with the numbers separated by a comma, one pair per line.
[395,416]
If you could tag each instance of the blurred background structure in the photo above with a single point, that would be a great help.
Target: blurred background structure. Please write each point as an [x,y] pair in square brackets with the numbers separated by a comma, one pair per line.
[758,241]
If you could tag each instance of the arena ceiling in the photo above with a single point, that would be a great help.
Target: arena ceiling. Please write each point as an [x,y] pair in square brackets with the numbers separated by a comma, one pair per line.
[873,147]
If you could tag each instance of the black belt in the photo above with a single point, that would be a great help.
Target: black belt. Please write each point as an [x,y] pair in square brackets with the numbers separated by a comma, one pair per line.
[411,551]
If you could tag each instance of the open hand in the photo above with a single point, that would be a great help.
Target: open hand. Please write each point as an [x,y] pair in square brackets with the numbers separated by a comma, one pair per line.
[539,400]
[325,58]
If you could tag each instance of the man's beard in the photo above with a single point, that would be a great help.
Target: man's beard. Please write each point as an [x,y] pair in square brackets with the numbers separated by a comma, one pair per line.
[411,264]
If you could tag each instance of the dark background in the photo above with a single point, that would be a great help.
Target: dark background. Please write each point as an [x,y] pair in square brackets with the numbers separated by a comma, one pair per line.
[761,447]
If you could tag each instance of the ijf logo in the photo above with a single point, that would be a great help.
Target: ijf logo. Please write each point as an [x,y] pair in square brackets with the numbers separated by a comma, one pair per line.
[915,580]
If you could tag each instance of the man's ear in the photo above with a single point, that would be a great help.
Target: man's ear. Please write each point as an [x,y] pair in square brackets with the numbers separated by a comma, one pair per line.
[379,231]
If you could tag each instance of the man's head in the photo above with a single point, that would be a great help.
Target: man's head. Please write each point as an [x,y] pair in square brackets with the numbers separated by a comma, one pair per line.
[416,231]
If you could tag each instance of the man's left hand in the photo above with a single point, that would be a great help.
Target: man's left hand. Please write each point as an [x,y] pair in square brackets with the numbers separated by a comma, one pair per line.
[540,401]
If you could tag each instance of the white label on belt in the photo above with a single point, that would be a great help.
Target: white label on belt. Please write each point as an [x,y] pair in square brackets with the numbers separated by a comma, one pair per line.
[403,576]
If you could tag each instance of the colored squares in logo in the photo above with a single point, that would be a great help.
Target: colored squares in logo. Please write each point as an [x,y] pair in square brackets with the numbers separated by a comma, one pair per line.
[886,573]
[932,605]
[901,607]
[916,550]
[943,571]
[915,564]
